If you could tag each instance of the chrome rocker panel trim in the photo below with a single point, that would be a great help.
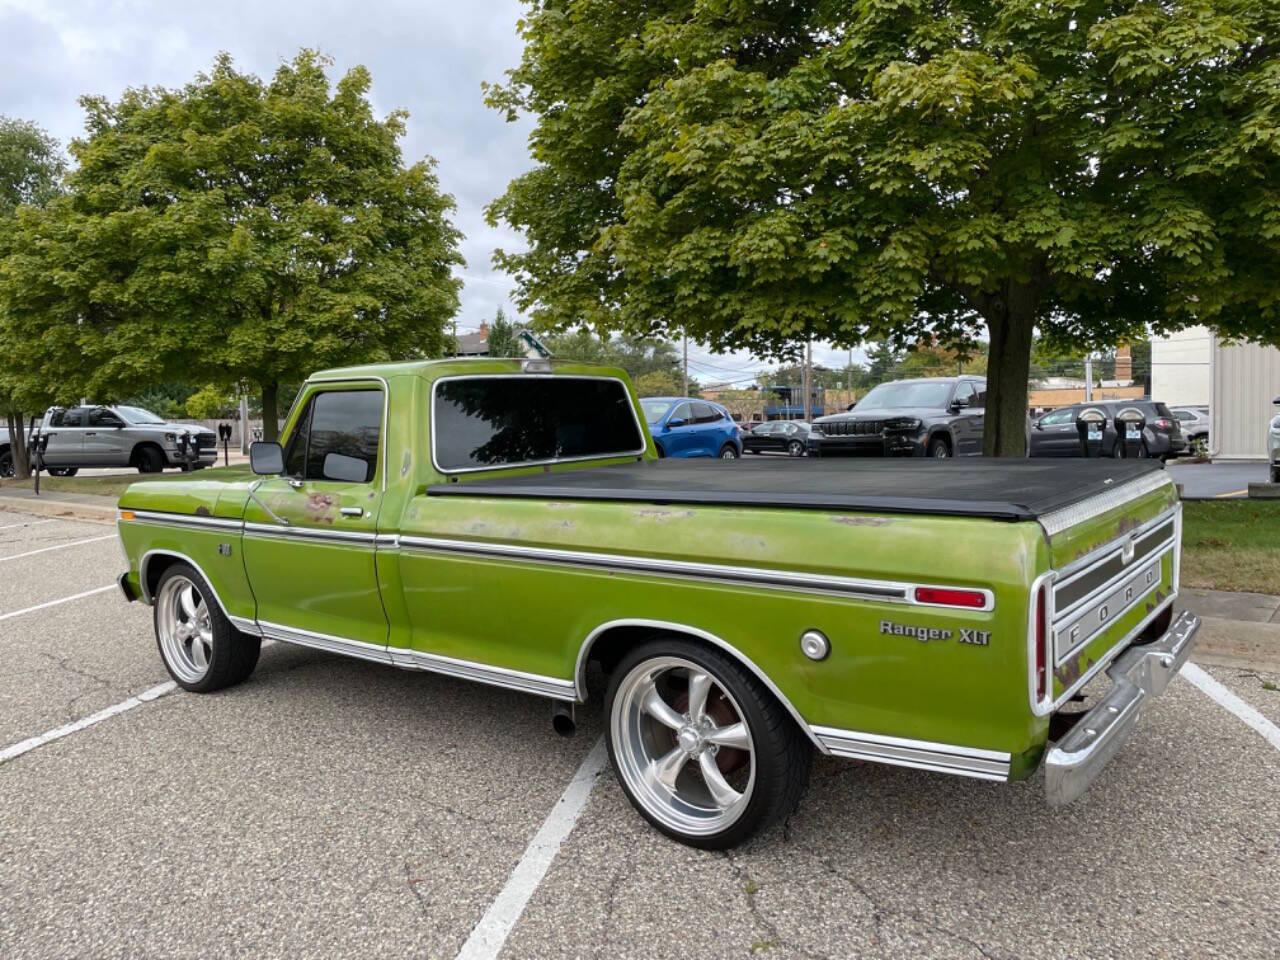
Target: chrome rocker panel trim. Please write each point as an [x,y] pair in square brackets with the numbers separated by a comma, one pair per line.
[1138,674]
[181,520]
[917,754]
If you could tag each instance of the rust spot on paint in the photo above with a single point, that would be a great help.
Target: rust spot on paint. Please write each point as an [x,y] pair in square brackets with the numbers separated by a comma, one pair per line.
[651,513]
[862,521]
[202,511]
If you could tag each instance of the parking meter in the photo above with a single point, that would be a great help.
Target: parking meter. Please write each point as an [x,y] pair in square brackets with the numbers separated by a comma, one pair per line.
[1090,424]
[224,434]
[1130,422]
[39,444]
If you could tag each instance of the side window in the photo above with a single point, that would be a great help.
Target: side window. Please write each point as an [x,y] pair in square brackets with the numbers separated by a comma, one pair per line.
[346,422]
[295,454]
[1186,415]
[68,418]
[56,418]
[705,413]
[683,411]
[1066,415]
[102,417]
[964,392]
[980,394]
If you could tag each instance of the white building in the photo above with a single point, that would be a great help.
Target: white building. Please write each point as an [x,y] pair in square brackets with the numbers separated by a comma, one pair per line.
[1238,382]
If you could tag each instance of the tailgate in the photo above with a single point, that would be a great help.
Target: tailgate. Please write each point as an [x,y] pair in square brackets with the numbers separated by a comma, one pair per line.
[1115,571]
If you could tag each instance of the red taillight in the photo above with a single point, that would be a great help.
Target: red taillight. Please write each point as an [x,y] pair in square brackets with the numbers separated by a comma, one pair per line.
[975,599]
[1164,424]
[1042,675]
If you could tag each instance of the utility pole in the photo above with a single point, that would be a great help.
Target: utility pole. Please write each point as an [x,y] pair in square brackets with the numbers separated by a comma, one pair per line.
[684,384]
[1088,379]
[244,422]
[808,380]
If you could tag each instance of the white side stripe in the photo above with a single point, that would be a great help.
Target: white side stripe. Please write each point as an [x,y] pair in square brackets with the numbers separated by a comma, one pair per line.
[1216,691]
[60,546]
[54,603]
[18,749]
[489,935]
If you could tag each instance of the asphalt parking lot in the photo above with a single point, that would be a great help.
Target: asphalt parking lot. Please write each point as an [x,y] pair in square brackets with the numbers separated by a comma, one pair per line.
[334,808]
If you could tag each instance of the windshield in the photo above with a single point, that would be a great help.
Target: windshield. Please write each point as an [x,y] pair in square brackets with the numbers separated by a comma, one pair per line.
[138,415]
[906,393]
[654,409]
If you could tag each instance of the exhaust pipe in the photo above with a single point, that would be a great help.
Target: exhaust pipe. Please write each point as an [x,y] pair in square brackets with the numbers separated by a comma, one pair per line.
[562,720]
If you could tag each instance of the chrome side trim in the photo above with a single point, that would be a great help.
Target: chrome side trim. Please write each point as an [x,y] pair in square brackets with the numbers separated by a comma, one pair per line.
[180,519]
[534,683]
[882,590]
[640,427]
[1059,520]
[917,754]
[584,651]
[1043,582]
[1076,760]
[309,533]
[325,641]
[245,625]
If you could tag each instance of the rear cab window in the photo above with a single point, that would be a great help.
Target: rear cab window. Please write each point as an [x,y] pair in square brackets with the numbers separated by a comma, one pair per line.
[489,422]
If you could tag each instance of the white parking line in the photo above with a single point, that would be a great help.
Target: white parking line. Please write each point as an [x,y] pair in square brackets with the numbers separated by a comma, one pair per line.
[489,935]
[28,523]
[54,603]
[146,696]
[1222,695]
[60,546]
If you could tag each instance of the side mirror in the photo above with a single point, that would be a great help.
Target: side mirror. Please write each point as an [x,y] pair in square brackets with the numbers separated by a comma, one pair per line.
[675,422]
[267,458]
[346,469]
[960,402]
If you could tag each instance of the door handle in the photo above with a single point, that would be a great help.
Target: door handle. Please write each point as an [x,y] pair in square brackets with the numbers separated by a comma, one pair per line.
[351,512]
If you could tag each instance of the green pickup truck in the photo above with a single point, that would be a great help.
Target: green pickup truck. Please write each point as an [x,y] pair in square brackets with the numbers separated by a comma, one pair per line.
[509,522]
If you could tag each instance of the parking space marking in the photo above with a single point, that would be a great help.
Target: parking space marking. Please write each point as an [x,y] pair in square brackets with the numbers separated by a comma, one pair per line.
[54,603]
[146,696]
[489,935]
[60,546]
[1224,697]
[29,523]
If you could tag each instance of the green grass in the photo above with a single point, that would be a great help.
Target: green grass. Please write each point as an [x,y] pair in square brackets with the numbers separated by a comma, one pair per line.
[1231,545]
[114,486]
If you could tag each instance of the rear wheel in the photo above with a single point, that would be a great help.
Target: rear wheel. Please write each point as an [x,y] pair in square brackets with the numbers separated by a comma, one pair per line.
[6,464]
[795,449]
[1275,474]
[200,648]
[703,751]
[939,449]
[63,471]
[728,452]
[148,460]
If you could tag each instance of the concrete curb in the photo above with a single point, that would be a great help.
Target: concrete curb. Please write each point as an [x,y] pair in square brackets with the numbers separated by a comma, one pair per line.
[1238,643]
[50,506]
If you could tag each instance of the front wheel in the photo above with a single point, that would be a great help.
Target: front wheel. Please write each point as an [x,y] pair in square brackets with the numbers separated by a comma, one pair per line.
[200,648]
[939,449]
[63,471]
[703,751]
[148,460]
[795,449]
[728,452]
[6,464]
[1275,474]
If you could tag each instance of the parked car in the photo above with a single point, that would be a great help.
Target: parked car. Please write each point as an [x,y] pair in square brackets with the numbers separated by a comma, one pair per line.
[684,427]
[408,519]
[1273,445]
[1055,434]
[1194,422]
[935,417]
[780,436]
[120,436]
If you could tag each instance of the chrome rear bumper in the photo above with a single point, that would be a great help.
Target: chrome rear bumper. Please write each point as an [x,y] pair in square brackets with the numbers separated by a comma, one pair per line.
[1141,672]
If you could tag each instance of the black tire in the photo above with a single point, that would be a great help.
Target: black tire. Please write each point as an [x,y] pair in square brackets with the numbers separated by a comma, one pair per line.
[795,449]
[6,464]
[232,655]
[661,453]
[148,459]
[781,753]
[728,452]
[1275,474]
[938,448]
[63,471]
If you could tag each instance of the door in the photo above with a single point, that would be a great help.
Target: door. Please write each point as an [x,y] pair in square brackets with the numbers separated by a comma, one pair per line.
[680,435]
[65,431]
[104,443]
[1054,434]
[711,432]
[309,535]
[768,436]
[966,424]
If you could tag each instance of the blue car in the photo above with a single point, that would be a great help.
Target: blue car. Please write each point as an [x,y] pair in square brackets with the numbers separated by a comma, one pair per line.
[683,427]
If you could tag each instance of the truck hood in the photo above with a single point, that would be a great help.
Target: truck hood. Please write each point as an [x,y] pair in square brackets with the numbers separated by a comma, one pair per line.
[223,495]
[886,413]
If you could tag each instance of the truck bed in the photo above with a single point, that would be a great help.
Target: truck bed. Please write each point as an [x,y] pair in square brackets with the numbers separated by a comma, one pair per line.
[996,489]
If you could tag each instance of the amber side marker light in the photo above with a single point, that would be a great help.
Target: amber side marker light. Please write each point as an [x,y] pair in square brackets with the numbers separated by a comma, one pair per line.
[126,514]
[973,599]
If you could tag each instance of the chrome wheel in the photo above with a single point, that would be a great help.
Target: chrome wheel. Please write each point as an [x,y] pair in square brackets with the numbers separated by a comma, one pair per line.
[184,628]
[728,453]
[681,746]
[795,449]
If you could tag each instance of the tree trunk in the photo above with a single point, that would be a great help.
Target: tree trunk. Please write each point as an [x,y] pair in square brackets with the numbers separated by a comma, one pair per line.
[1010,324]
[18,446]
[270,420]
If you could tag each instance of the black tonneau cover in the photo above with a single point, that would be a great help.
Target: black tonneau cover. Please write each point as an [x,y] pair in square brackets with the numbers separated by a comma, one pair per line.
[997,489]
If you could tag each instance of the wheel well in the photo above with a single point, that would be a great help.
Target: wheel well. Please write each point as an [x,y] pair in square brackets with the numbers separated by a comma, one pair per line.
[607,646]
[943,434]
[143,445]
[154,566]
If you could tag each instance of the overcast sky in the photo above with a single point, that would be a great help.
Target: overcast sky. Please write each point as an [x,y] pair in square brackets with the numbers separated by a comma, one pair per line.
[428,57]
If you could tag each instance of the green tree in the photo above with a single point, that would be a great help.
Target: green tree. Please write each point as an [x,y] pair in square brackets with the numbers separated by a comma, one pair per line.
[658,383]
[764,173]
[31,168]
[636,355]
[503,341]
[241,230]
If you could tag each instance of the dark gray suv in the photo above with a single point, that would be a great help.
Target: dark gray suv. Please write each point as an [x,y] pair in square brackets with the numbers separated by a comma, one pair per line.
[1055,434]
[935,417]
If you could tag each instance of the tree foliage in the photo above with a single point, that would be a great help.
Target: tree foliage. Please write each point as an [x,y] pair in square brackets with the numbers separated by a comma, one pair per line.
[503,339]
[763,173]
[238,230]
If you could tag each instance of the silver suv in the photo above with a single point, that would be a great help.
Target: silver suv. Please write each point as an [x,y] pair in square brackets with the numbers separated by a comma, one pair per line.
[1273,445]
[121,437]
